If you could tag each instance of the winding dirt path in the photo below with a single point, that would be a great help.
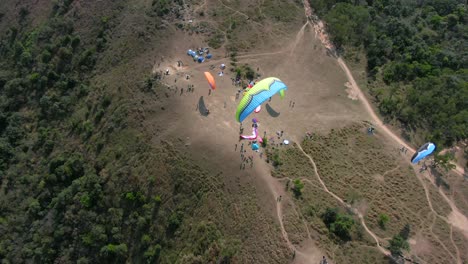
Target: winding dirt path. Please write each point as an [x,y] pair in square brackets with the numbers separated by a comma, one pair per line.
[369,108]
[239,12]
[391,170]
[361,218]
[356,90]
[456,218]
[455,246]
[313,255]
[277,188]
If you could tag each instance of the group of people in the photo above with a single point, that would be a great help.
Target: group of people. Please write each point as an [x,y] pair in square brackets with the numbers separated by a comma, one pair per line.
[403,149]
[243,157]
[202,51]
[279,134]
[236,81]
[190,89]
[423,168]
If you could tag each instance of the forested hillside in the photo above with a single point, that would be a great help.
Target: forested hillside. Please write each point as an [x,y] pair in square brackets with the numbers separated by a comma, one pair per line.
[78,183]
[416,59]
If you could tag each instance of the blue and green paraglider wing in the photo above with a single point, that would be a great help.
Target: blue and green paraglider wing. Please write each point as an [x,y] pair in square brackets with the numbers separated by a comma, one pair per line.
[258,94]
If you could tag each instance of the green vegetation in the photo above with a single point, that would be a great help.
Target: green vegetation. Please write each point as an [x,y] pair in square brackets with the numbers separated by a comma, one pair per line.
[415,59]
[274,156]
[443,161]
[338,224]
[246,72]
[398,244]
[217,40]
[78,183]
[282,11]
[264,142]
[297,188]
[383,219]
[368,174]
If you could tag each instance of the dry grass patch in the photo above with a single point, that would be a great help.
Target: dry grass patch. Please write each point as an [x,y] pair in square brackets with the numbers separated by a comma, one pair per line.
[366,174]
[348,160]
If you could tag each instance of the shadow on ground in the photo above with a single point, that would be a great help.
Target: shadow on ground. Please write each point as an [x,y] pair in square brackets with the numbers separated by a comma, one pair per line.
[202,107]
[272,111]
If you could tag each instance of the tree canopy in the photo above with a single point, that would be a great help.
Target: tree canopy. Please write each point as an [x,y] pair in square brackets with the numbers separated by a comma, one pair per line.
[416,59]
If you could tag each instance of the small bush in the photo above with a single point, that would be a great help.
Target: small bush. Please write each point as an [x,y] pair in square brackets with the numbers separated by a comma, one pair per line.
[297,188]
[383,219]
[216,41]
[397,244]
[338,224]
[276,159]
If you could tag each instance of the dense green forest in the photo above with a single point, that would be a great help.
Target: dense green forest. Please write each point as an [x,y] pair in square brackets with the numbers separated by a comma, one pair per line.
[78,184]
[416,59]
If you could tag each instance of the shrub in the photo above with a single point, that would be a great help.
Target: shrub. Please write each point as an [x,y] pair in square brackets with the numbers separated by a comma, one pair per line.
[342,226]
[276,159]
[383,219]
[338,224]
[397,244]
[297,189]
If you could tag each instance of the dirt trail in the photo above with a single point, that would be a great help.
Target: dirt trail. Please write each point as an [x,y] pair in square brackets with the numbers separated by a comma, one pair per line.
[240,13]
[391,170]
[369,108]
[456,217]
[299,37]
[459,261]
[361,218]
[320,32]
[313,254]
[355,90]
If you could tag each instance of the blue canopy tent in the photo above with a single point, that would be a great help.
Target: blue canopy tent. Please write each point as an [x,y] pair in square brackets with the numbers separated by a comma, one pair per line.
[255,146]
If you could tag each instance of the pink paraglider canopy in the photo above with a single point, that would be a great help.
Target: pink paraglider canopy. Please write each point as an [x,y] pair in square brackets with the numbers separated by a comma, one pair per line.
[254,136]
[251,137]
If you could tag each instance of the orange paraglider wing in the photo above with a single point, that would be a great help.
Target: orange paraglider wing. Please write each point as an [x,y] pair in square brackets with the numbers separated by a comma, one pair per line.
[210,80]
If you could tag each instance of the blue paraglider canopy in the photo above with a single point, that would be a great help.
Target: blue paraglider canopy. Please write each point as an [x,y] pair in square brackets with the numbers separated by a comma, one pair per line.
[255,146]
[424,151]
